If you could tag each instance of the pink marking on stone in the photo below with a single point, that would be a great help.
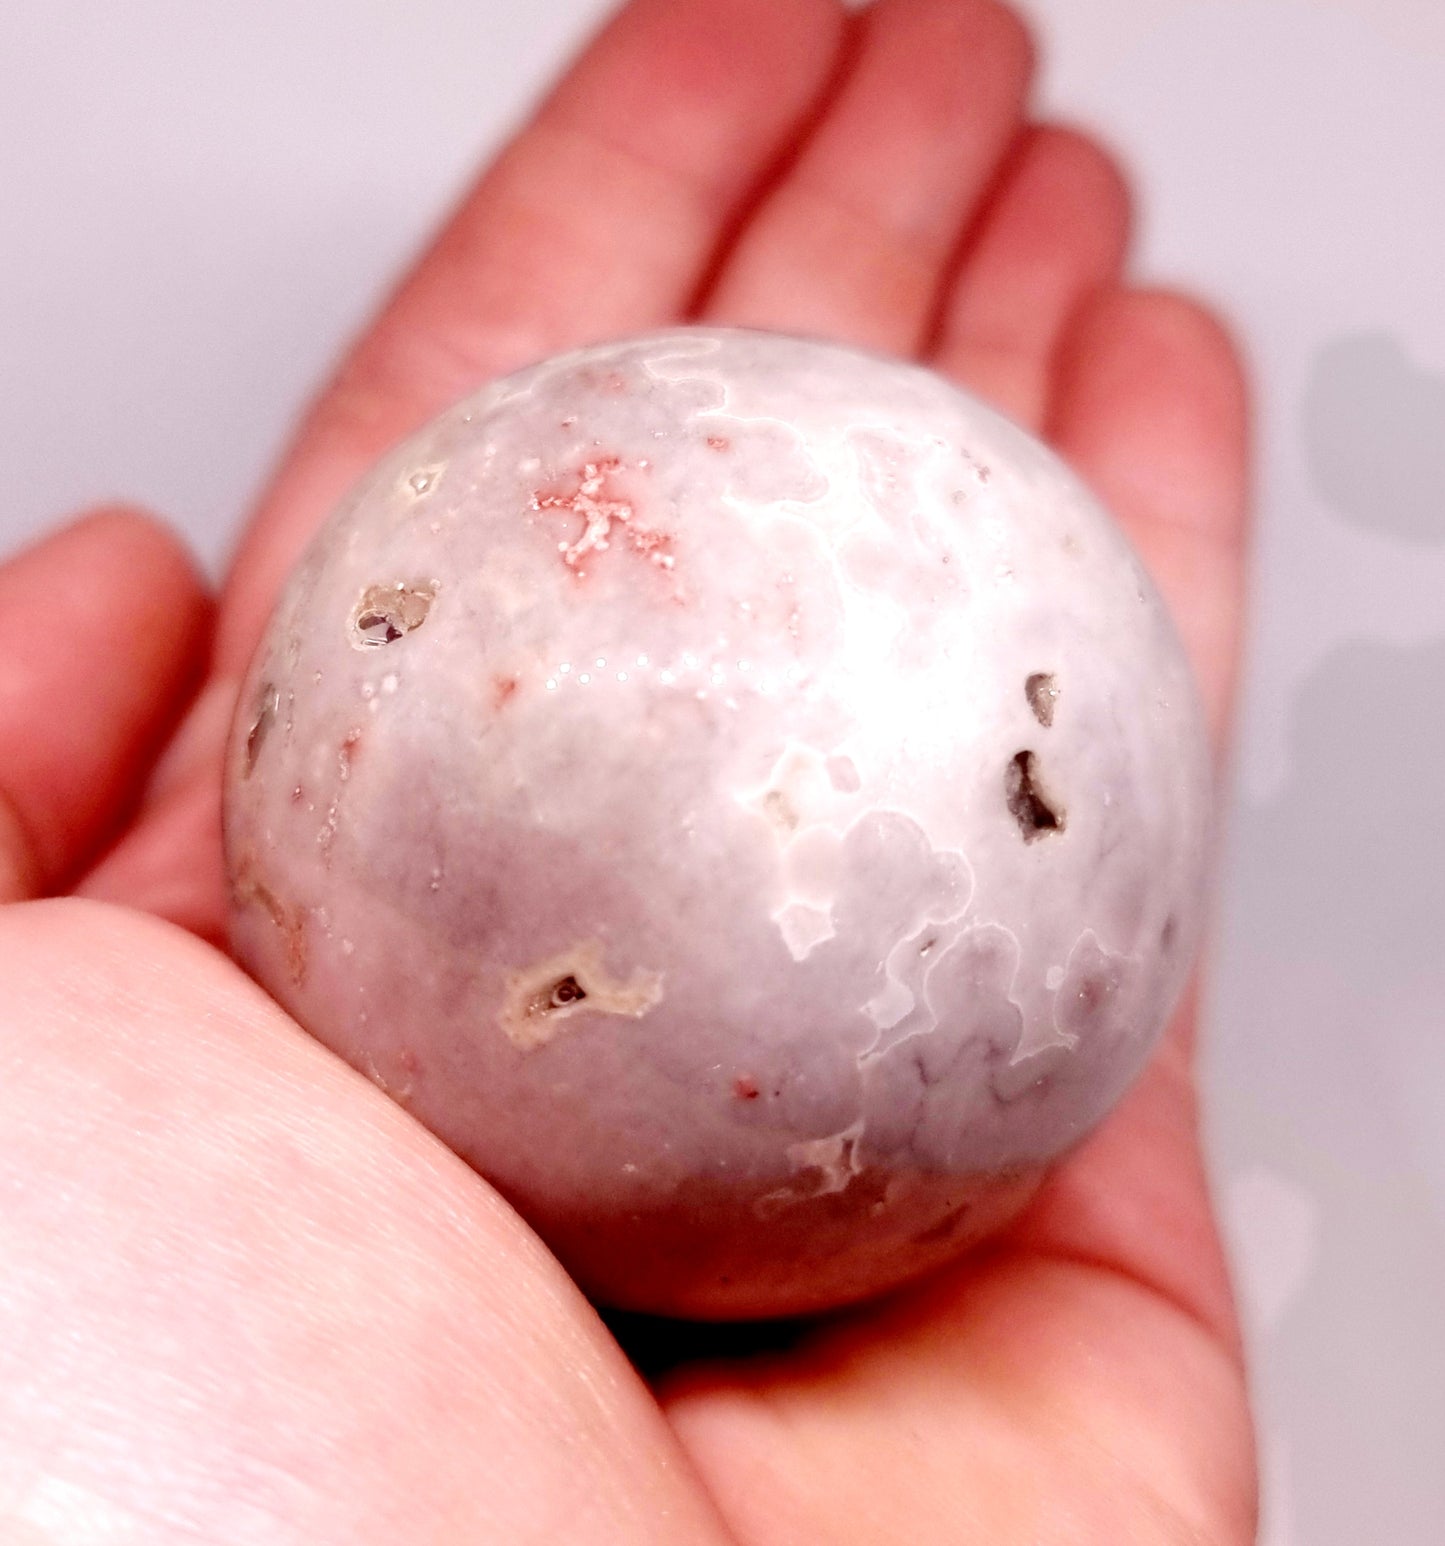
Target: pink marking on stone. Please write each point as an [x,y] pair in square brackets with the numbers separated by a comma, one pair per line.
[599,514]
[346,753]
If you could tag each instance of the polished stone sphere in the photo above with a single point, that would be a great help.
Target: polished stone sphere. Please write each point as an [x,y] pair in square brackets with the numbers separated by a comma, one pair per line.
[743,794]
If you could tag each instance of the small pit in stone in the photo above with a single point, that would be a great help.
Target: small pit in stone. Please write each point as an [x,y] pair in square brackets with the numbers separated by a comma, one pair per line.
[565,991]
[1035,813]
[268,702]
[1043,694]
[385,613]
[539,999]
[1092,997]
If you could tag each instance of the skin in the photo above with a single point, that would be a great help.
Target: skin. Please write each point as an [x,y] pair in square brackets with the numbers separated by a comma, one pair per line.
[245,1297]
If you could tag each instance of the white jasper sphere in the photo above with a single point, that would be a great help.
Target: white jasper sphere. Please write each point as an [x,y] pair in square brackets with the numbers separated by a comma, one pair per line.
[743,794]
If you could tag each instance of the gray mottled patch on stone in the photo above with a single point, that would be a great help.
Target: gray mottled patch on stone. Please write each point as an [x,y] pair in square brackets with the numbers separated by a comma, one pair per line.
[1374,431]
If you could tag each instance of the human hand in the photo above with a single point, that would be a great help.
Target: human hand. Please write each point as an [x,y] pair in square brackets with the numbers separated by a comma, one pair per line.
[243,1297]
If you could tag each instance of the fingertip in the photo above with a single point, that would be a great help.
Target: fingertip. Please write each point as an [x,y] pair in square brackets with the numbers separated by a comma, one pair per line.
[660,59]
[1015,38]
[106,626]
[1152,407]
[1184,327]
[1090,173]
[120,522]
[126,550]
[853,234]
[1157,368]
[991,39]
[1053,233]
[1192,330]
[1165,329]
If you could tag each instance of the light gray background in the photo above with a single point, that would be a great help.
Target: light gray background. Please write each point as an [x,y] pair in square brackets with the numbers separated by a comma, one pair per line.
[199,202]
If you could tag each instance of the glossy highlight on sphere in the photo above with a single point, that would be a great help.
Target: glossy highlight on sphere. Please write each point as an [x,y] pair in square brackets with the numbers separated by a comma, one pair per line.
[743,794]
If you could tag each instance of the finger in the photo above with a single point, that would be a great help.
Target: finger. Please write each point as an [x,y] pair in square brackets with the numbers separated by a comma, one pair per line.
[854,241]
[1054,232]
[248,1298]
[106,628]
[601,218]
[169,860]
[1150,405]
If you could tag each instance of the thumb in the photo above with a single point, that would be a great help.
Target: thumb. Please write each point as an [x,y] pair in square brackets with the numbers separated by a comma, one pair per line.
[104,629]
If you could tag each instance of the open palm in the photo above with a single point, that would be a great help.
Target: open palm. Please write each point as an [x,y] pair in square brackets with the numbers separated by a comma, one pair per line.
[246,1298]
